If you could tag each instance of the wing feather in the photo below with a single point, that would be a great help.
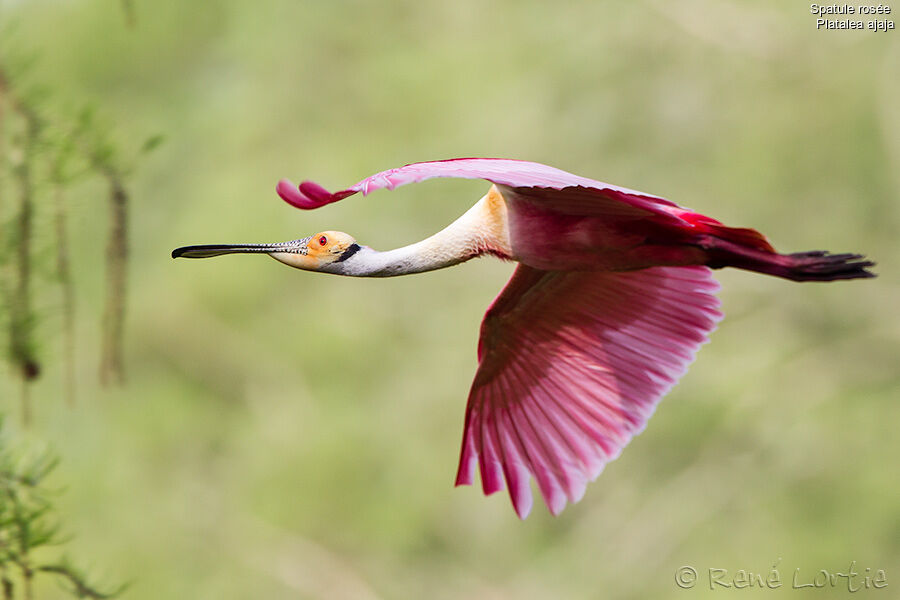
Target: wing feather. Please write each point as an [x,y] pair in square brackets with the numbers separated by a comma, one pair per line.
[571,366]
[491,465]
[565,191]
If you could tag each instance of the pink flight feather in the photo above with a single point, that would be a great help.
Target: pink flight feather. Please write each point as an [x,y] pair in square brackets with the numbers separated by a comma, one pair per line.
[571,366]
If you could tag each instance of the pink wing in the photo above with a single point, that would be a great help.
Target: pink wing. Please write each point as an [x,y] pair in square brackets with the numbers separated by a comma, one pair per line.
[558,190]
[519,174]
[571,366]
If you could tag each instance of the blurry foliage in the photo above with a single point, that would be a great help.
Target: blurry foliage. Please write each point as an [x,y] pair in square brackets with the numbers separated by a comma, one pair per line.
[29,530]
[22,151]
[45,153]
[95,139]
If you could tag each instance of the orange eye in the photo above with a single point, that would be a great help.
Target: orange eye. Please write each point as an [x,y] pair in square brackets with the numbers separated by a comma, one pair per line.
[323,240]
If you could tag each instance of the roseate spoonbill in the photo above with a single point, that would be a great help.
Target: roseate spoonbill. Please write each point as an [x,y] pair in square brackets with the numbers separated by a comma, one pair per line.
[610,300]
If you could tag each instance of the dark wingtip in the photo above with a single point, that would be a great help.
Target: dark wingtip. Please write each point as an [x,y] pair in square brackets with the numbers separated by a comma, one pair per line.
[178,252]
[819,265]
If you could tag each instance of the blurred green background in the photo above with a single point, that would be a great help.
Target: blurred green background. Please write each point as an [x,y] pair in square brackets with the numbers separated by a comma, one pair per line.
[293,435]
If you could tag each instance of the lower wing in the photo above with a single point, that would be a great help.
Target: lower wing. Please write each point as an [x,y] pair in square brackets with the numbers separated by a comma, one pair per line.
[571,366]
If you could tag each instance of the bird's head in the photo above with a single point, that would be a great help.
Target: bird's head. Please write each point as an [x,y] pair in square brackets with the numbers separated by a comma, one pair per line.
[314,253]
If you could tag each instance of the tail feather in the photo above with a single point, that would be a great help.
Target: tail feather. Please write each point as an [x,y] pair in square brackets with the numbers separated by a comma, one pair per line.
[820,265]
[815,265]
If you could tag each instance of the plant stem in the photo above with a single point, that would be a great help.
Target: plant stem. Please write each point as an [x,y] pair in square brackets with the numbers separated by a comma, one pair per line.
[128,9]
[21,317]
[82,589]
[111,364]
[64,272]
[27,575]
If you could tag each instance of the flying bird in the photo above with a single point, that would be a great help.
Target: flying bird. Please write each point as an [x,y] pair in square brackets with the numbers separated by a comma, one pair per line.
[612,296]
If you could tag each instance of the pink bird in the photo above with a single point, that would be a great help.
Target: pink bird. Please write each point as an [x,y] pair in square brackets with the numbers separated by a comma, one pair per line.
[610,300]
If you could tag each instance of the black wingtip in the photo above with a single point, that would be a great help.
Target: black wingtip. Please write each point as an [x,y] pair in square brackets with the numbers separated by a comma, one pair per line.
[820,265]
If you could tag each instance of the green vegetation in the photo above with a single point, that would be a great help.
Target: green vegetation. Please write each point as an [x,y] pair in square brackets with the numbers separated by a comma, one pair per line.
[27,529]
[283,434]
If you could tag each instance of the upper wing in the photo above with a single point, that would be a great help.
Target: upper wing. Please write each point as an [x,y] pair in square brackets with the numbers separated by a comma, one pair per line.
[525,177]
[571,366]
[556,189]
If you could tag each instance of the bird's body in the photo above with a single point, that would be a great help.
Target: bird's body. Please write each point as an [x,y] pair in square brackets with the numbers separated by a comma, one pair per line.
[611,298]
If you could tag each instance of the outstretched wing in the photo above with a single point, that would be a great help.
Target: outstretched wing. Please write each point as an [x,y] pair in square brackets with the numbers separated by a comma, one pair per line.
[554,188]
[571,366]
[523,176]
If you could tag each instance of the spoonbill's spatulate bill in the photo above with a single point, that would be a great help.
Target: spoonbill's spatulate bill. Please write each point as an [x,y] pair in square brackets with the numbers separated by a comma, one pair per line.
[610,300]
